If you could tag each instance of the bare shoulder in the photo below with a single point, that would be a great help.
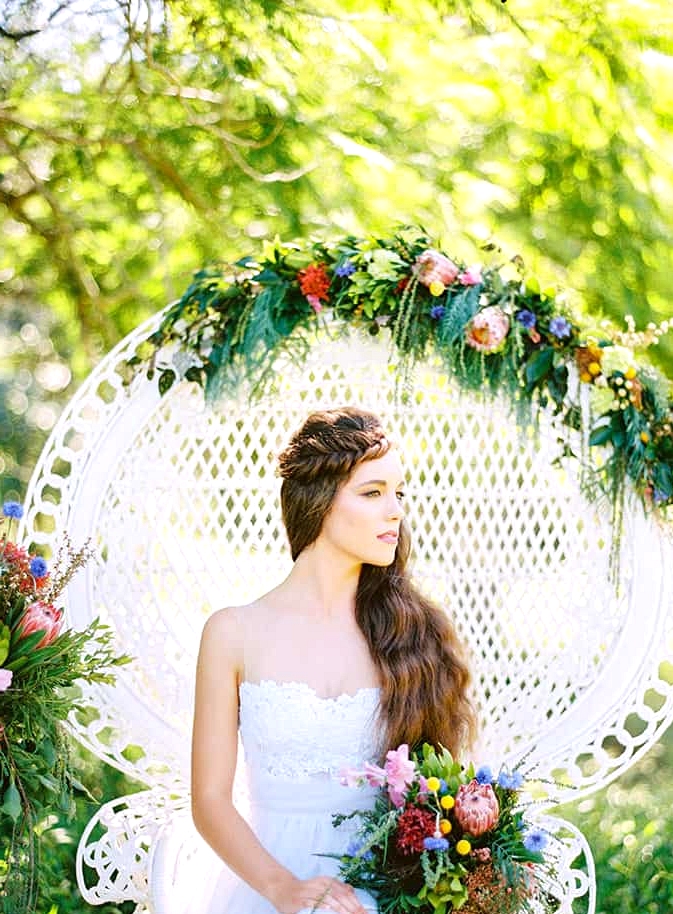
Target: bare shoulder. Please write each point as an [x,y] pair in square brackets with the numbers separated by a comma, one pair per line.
[227,630]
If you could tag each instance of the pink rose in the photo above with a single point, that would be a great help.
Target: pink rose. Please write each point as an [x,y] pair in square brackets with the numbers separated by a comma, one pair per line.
[5,679]
[400,773]
[471,277]
[435,267]
[487,330]
[41,617]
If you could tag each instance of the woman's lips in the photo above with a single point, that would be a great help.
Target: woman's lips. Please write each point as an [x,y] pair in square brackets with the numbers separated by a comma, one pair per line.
[388,537]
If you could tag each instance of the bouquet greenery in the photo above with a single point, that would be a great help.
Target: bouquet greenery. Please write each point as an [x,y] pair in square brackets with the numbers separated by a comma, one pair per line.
[40,665]
[441,837]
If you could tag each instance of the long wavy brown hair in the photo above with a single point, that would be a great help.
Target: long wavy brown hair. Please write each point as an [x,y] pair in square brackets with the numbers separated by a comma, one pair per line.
[422,667]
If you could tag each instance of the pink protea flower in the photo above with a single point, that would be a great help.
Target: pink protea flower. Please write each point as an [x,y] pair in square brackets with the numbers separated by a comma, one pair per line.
[487,330]
[435,267]
[400,773]
[43,617]
[476,809]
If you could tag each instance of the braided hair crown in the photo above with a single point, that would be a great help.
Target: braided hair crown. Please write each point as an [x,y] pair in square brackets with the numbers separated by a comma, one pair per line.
[320,455]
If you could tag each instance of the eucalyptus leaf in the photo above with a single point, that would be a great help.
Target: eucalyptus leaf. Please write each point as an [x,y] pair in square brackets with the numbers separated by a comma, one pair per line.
[11,802]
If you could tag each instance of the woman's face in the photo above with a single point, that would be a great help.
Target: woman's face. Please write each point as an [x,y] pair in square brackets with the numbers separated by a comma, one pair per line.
[364,519]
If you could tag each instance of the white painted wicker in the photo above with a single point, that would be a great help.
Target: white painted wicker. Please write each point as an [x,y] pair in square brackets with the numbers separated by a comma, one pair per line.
[181,503]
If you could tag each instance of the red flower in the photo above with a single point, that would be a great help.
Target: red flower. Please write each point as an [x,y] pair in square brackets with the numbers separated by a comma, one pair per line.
[413,826]
[41,617]
[314,281]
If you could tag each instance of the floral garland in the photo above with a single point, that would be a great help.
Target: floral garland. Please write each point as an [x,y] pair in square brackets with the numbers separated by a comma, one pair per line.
[492,327]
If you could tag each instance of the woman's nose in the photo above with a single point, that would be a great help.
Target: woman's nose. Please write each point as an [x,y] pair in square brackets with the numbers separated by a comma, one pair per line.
[394,507]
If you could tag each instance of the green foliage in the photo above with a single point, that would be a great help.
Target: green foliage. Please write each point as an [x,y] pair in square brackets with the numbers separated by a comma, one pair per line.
[630,831]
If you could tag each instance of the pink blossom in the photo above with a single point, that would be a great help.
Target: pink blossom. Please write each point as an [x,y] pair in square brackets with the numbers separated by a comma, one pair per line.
[41,617]
[5,679]
[351,777]
[435,267]
[400,773]
[315,303]
[375,776]
[487,330]
[471,277]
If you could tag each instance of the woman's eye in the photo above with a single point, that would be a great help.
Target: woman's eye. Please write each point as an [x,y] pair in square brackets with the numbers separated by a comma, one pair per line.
[369,494]
[401,495]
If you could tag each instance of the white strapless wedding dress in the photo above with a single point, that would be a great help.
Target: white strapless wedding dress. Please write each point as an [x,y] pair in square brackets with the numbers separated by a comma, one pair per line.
[295,744]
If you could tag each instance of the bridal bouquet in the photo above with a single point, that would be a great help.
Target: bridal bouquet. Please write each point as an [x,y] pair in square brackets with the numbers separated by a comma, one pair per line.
[40,664]
[441,837]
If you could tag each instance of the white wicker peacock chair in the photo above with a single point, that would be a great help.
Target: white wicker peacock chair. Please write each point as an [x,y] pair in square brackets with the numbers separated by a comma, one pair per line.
[181,504]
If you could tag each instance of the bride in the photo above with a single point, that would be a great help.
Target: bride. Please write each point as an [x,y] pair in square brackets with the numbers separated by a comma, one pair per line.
[340,662]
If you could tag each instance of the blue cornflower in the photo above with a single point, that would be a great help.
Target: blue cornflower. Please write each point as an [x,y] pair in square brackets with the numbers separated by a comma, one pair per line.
[12,509]
[510,780]
[437,312]
[344,269]
[443,787]
[527,318]
[658,496]
[535,840]
[484,775]
[560,327]
[435,844]
[38,567]
[353,850]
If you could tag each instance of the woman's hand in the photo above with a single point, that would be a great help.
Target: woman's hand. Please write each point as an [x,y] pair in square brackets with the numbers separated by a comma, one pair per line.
[321,893]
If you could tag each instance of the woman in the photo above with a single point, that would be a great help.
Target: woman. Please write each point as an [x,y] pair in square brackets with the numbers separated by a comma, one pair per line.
[341,661]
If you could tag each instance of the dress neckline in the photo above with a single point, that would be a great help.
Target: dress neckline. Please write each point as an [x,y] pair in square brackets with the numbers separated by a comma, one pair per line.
[296,685]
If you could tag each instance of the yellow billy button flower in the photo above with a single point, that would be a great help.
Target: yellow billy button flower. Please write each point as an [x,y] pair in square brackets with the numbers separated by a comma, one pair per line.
[447,802]
[594,368]
[463,847]
[445,826]
[433,784]
[436,288]
[630,373]
[644,437]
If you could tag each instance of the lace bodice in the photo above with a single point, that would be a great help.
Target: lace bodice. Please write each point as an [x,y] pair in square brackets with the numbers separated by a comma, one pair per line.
[289,731]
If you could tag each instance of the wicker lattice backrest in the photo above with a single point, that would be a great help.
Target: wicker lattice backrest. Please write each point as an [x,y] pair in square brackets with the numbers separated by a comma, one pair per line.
[182,505]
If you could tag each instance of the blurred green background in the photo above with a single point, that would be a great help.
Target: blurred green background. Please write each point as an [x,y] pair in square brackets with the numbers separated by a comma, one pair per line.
[140,140]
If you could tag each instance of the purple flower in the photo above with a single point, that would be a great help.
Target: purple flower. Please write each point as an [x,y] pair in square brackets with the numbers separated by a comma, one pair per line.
[344,269]
[658,496]
[560,327]
[435,844]
[527,318]
[510,780]
[38,567]
[535,840]
[484,775]
[12,509]
[437,312]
